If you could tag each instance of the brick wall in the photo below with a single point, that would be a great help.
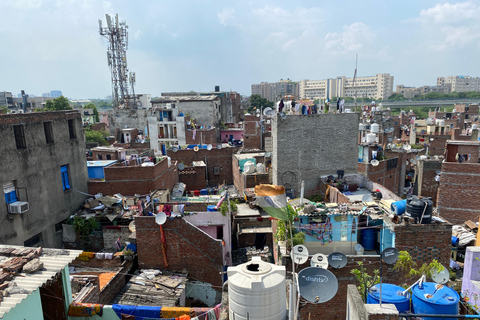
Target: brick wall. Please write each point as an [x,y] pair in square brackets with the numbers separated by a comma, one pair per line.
[459,192]
[187,248]
[425,242]
[427,186]
[252,134]
[111,235]
[193,177]
[201,136]
[130,180]
[99,126]
[379,174]
[221,158]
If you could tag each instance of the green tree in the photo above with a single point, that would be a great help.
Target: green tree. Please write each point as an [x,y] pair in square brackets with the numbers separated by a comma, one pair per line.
[96,136]
[397,96]
[95,111]
[257,102]
[4,109]
[60,103]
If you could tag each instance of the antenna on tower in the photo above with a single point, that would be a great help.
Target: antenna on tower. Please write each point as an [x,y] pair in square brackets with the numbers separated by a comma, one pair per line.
[117,35]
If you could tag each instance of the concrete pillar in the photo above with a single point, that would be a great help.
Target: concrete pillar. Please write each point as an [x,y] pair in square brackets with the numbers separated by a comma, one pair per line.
[386,312]
[474,135]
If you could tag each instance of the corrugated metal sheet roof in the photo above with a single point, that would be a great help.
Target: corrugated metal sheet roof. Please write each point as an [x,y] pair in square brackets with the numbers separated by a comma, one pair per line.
[54,260]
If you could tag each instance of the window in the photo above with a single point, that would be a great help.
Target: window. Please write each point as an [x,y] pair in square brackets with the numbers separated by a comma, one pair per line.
[65,178]
[19,133]
[71,129]
[109,157]
[99,156]
[35,241]
[48,128]
[10,192]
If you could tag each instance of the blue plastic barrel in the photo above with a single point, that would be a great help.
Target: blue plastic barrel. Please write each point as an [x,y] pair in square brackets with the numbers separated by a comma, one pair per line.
[203,192]
[368,238]
[390,294]
[211,208]
[426,300]
[399,207]
[455,241]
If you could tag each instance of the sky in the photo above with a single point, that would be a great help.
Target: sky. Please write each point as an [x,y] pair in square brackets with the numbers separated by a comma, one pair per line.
[195,45]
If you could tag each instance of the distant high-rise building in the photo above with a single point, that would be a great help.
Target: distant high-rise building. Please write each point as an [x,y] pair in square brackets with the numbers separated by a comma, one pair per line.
[276,90]
[460,83]
[55,93]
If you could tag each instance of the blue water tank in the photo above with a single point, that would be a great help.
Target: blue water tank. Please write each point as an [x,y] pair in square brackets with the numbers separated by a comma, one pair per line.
[390,294]
[211,208]
[444,301]
[399,207]
[368,238]
[203,192]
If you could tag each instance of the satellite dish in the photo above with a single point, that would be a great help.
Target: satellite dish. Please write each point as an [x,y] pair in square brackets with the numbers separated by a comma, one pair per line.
[337,260]
[196,149]
[407,147]
[266,111]
[268,154]
[440,277]
[181,166]
[374,162]
[438,172]
[319,260]
[299,254]
[283,115]
[219,146]
[174,148]
[317,285]
[367,198]
[390,255]
[160,218]
[417,158]
[413,161]
[209,147]
[390,139]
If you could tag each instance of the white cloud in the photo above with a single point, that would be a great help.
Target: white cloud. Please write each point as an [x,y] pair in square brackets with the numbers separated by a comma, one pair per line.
[448,13]
[226,16]
[353,38]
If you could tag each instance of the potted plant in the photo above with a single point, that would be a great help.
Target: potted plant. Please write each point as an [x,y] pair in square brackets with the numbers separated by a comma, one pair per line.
[128,254]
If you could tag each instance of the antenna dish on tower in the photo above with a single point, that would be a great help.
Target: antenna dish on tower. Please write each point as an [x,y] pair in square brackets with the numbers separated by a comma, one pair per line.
[317,285]
[390,255]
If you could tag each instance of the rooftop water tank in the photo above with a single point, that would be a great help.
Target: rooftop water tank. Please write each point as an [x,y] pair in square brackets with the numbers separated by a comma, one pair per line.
[440,122]
[361,126]
[249,167]
[260,168]
[374,128]
[390,294]
[371,137]
[257,290]
[416,208]
[474,126]
[427,299]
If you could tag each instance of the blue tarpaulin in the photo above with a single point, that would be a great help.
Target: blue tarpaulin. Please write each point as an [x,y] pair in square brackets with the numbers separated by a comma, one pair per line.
[139,312]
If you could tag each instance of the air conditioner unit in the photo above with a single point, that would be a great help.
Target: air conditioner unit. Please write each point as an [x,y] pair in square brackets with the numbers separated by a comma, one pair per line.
[18,207]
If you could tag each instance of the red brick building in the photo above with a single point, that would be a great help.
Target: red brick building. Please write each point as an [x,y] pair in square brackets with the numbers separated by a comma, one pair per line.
[186,247]
[459,186]
[135,179]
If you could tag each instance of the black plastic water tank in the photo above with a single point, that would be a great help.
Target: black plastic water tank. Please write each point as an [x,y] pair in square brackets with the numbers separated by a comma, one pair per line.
[416,207]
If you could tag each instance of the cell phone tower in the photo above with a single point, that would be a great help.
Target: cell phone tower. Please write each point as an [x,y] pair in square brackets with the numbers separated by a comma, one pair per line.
[117,35]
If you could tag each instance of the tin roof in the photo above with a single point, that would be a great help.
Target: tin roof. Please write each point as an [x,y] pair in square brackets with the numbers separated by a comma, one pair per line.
[54,260]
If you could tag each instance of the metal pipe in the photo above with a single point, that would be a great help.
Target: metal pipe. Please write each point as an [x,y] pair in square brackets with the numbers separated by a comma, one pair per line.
[419,280]
[411,315]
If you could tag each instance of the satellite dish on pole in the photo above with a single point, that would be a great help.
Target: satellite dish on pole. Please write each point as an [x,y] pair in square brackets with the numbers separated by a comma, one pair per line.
[209,147]
[440,277]
[390,255]
[219,146]
[299,254]
[317,285]
[337,260]
[374,162]
[174,148]
[160,218]
[319,260]
[283,115]
[181,166]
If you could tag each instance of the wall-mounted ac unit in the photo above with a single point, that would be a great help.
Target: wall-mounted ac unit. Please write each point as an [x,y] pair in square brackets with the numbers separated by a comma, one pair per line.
[18,207]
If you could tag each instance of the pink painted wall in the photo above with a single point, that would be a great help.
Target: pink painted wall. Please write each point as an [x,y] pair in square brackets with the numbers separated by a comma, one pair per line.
[225,134]
[210,230]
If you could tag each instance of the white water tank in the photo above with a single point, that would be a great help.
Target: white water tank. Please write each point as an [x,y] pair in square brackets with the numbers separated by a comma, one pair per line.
[169,161]
[257,291]
[260,168]
[375,127]
[361,126]
[348,110]
[249,167]
[454,110]
[474,126]
[440,122]
[371,137]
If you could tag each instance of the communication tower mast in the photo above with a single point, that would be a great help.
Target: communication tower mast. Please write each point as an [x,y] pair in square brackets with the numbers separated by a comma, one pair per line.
[117,36]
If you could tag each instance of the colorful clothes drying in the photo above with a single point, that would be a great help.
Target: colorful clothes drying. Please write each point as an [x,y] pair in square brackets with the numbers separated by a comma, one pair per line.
[84,309]
[175,312]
